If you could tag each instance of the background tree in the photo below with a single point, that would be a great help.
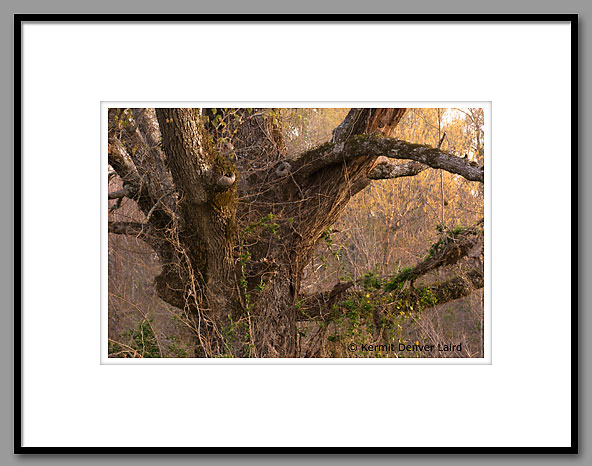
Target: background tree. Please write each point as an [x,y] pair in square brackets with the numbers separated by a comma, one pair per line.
[234,203]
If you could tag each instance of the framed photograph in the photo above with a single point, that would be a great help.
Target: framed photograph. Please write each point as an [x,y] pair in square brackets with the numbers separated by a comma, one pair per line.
[232,222]
[313,245]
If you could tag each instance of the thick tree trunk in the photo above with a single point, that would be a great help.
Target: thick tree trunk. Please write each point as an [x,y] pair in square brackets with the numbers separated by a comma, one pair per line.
[200,263]
[247,277]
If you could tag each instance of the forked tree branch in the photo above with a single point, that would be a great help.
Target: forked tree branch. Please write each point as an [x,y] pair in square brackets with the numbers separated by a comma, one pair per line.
[140,230]
[136,156]
[448,251]
[149,158]
[375,146]
[368,120]
[121,163]
[455,288]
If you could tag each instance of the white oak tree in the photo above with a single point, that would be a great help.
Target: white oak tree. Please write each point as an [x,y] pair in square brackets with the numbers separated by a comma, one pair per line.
[234,218]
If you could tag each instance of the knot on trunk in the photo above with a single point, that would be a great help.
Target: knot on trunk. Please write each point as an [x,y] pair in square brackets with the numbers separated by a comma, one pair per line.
[226,181]
[283,169]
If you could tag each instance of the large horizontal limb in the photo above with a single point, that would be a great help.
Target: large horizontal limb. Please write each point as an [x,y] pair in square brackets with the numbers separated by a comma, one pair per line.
[128,228]
[449,290]
[140,230]
[387,170]
[450,249]
[454,246]
[375,146]
[413,298]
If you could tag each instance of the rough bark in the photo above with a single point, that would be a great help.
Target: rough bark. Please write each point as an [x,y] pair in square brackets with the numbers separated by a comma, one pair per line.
[202,262]
[375,146]
[449,250]
[368,120]
[386,170]
[320,307]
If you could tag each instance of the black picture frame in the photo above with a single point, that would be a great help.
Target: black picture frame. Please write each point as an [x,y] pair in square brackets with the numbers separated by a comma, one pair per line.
[19,19]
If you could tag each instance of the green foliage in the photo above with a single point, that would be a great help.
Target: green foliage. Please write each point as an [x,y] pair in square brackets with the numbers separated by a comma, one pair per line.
[266,223]
[237,338]
[144,339]
[371,281]
[336,251]
[397,282]
[177,351]
[427,298]
[379,311]
[328,237]
[447,236]
[140,342]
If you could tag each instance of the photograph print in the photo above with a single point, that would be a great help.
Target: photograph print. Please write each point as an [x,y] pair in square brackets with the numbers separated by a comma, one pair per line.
[295,232]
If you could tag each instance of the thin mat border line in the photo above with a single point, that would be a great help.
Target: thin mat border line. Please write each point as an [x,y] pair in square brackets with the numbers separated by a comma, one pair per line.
[487,353]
